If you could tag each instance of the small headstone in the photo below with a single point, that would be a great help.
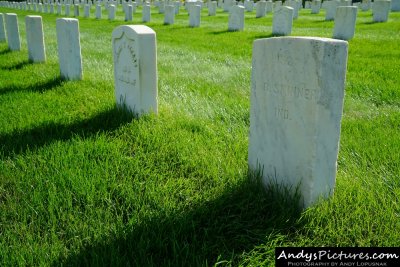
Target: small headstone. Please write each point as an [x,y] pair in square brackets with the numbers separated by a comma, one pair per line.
[67,10]
[51,8]
[40,7]
[177,5]
[380,10]
[345,3]
[111,12]
[98,11]
[129,13]
[2,29]
[261,9]
[194,16]
[135,68]
[315,6]
[69,48]
[345,22]
[76,10]
[35,39]
[395,5]
[330,7]
[269,7]
[282,21]
[212,8]
[86,11]
[249,5]
[365,5]
[161,7]
[295,5]
[169,16]
[146,13]
[59,9]
[227,5]
[12,30]
[236,18]
[295,114]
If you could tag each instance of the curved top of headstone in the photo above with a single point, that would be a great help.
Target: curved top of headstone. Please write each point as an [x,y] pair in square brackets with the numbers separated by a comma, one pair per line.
[129,30]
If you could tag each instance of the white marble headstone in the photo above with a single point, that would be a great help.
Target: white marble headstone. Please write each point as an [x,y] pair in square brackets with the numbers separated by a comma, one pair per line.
[236,18]
[194,16]
[212,8]
[380,10]
[295,114]
[12,30]
[98,11]
[69,48]
[330,7]
[111,12]
[315,6]
[135,68]
[261,9]
[282,21]
[35,39]
[345,22]
[169,14]
[146,13]
[128,13]
[395,5]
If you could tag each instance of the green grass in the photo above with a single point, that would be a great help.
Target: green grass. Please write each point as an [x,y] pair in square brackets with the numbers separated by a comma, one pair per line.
[83,183]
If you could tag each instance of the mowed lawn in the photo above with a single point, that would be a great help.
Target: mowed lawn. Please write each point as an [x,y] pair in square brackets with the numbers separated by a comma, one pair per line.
[84,183]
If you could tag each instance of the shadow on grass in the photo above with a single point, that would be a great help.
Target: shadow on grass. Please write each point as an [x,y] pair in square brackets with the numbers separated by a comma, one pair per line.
[17,66]
[31,139]
[221,230]
[220,32]
[38,87]
[5,51]
[263,36]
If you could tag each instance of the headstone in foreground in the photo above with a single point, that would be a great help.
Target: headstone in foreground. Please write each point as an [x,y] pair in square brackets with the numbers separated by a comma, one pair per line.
[12,30]
[295,114]
[135,68]
[345,22]
[35,39]
[69,48]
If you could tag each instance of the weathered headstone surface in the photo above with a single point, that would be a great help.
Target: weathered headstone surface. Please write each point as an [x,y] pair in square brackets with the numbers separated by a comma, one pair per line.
[69,48]
[194,16]
[35,39]
[330,7]
[135,68]
[12,30]
[282,21]
[345,22]
[169,14]
[2,29]
[380,10]
[236,18]
[296,110]
[146,13]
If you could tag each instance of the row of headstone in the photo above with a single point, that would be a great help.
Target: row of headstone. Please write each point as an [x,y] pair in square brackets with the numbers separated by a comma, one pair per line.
[296,98]
[296,103]
[68,41]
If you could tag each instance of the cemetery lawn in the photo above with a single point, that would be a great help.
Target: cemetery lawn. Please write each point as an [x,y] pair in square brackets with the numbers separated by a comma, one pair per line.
[83,183]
